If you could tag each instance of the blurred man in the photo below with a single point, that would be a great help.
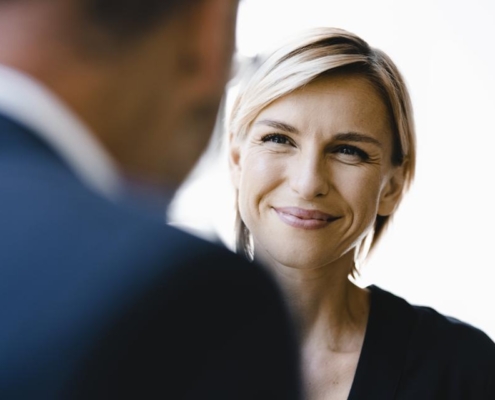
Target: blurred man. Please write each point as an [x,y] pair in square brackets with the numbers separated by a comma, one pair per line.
[105,103]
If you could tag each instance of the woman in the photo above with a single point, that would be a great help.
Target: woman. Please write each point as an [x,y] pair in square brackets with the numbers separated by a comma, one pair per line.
[322,150]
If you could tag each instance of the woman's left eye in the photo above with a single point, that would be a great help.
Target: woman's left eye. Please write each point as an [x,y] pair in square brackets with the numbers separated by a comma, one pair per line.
[351,153]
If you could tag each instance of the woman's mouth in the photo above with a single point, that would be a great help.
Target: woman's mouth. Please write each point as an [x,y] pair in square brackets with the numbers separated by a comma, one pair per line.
[304,219]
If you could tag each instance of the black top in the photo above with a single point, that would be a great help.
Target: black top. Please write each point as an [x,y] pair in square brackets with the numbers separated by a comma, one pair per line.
[413,352]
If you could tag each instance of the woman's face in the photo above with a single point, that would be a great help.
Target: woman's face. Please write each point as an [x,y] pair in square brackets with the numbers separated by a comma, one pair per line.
[315,170]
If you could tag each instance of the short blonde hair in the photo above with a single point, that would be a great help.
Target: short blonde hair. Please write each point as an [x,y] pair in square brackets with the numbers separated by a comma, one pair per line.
[320,52]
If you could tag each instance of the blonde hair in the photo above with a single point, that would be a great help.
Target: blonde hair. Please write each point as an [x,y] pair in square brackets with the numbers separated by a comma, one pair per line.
[319,52]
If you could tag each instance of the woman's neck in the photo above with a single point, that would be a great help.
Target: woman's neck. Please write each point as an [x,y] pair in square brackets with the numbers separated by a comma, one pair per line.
[331,315]
[327,308]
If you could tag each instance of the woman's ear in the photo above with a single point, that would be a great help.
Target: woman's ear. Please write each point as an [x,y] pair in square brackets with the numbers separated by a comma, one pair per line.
[392,192]
[234,160]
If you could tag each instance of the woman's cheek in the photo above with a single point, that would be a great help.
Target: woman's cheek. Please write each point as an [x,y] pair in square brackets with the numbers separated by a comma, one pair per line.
[262,169]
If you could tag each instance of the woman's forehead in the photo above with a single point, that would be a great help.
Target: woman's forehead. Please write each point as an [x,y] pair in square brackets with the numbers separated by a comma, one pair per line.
[332,100]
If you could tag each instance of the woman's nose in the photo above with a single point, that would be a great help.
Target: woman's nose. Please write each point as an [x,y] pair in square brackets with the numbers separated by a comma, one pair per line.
[310,177]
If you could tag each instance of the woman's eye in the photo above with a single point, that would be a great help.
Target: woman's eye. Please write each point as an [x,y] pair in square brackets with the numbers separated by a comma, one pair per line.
[276,138]
[351,153]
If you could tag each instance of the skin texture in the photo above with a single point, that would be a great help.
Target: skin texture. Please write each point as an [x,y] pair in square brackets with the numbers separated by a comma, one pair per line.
[151,103]
[325,147]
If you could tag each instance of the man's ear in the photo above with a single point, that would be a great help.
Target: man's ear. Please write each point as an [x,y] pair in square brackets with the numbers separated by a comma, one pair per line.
[392,192]
[209,42]
[234,161]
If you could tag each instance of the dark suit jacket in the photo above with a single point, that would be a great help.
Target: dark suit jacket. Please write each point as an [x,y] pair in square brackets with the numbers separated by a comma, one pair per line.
[103,301]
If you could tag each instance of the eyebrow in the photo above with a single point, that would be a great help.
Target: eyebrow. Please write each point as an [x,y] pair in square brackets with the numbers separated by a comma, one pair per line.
[357,137]
[278,125]
[344,137]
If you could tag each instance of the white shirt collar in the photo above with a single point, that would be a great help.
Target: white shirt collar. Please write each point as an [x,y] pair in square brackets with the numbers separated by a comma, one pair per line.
[28,102]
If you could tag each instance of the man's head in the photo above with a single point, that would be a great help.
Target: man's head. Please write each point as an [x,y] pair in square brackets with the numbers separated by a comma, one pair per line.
[147,76]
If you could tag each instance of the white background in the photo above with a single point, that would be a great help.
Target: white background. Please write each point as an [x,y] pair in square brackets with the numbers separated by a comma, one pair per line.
[439,249]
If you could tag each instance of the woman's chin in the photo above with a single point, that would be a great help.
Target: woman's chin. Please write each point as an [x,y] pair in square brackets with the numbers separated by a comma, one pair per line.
[300,259]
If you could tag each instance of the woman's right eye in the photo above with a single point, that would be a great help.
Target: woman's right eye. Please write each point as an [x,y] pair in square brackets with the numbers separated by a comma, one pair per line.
[276,138]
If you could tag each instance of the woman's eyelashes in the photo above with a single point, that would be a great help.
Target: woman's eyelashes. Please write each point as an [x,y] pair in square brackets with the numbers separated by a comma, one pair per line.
[347,153]
[277,138]
[351,154]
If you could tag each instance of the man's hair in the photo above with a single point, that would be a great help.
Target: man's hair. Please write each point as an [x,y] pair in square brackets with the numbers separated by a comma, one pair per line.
[126,19]
[123,19]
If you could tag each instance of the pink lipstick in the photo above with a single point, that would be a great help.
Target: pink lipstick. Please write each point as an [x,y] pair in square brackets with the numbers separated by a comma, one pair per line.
[304,219]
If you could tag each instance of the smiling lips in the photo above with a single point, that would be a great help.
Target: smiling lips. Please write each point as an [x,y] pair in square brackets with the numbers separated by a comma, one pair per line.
[304,219]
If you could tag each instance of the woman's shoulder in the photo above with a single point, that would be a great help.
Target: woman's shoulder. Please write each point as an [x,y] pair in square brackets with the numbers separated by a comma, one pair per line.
[444,335]
[440,356]
[454,339]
